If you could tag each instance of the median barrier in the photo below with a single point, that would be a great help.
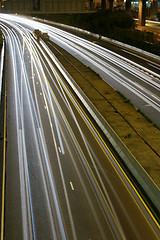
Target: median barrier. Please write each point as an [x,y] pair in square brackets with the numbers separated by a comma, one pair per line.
[129,160]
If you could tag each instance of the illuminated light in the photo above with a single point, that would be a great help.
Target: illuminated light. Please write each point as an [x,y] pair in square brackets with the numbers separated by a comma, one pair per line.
[109,56]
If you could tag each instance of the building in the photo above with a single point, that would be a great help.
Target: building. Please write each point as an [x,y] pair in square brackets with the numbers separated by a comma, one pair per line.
[29,6]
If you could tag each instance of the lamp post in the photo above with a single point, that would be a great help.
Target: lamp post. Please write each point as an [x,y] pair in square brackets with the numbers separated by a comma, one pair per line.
[141,12]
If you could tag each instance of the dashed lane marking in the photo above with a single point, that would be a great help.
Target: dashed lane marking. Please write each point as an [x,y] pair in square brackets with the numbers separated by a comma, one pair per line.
[72,186]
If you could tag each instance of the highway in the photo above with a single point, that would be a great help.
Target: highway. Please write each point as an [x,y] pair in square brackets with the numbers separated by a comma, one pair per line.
[62,180]
[135,76]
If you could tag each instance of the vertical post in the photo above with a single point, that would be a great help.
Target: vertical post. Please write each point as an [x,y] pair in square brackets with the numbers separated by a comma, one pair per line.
[141,12]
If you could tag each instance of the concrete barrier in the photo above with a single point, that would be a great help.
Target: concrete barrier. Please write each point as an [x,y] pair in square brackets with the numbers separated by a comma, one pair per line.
[130,161]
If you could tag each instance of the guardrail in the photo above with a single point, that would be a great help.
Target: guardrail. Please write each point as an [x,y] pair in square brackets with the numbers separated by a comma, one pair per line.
[134,167]
[97,36]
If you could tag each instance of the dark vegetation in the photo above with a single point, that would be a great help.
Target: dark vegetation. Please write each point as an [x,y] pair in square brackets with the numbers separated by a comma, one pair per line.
[116,25]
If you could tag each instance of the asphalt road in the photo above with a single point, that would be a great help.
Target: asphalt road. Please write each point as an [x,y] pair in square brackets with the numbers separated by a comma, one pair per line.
[62,181]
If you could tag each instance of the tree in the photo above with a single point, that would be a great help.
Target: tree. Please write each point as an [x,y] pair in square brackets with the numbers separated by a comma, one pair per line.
[128,6]
[103,4]
[111,5]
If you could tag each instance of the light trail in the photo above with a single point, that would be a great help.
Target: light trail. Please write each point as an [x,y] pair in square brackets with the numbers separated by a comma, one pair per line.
[99,56]
[26,195]
[74,140]
[46,94]
[25,186]
[50,174]
[59,147]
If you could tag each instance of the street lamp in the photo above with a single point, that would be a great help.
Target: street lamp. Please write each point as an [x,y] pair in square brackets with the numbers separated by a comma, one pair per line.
[142,12]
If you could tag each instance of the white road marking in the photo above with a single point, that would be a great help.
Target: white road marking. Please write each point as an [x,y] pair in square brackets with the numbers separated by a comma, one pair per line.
[72,186]
[59,149]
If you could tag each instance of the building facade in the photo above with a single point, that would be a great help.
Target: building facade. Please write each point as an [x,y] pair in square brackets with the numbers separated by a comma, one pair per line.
[28,6]
[18,6]
[62,5]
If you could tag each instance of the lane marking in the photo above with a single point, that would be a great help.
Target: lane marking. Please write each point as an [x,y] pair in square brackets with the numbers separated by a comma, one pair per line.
[59,149]
[71,186]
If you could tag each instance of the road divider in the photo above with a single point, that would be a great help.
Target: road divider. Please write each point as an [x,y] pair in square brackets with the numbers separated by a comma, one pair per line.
[139,173]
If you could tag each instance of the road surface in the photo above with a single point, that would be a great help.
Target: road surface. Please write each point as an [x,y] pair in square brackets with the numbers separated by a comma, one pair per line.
[62,180]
